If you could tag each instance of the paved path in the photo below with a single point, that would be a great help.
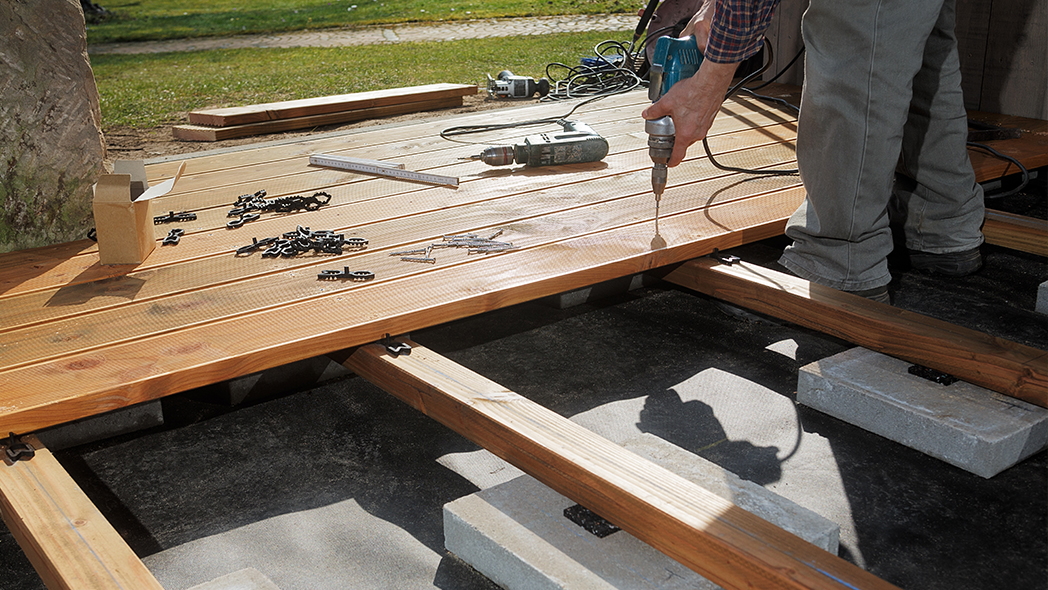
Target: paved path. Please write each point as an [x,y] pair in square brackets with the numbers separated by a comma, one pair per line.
[445,31]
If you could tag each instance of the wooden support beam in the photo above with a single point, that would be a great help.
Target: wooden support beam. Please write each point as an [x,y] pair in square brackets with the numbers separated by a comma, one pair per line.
[697,528]
[69,542]
[1003,366]
[1017,232]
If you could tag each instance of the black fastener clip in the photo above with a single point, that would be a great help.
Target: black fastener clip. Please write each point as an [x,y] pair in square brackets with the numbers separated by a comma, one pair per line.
[173,237]
[395,348]
[17,449]
[728,259]
[173,217]
[345,273]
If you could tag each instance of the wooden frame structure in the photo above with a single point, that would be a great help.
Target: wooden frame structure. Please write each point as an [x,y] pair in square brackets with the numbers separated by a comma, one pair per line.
[79,338]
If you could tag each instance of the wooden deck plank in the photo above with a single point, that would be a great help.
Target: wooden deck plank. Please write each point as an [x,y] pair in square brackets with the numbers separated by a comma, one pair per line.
[387,199]
[289,109]
[203,133]
[1006,367]
[715,538]
[88,383]
[68,541]
[1017,232]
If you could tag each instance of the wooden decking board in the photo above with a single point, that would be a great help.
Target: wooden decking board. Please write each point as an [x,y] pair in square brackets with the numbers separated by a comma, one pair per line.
[390,196]
[63,534]
[86,383]
[249,284]
[1017,232]
[271,111]
[715,538]
[201,133]
[1006,367]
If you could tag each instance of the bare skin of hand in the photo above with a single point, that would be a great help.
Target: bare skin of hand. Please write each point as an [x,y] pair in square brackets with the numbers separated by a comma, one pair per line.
[692,103]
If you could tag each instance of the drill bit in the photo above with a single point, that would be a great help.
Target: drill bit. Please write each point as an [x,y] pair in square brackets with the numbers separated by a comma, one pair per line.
[661,136]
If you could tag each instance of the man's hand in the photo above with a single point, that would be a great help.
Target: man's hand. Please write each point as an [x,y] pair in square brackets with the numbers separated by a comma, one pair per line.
[692,103]
[701,24]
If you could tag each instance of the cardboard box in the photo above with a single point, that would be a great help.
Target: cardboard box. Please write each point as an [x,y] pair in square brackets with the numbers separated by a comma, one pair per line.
[123,216]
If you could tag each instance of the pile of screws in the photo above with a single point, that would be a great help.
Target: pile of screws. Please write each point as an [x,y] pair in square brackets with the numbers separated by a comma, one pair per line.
[303,240]
[471,242]
[246,206]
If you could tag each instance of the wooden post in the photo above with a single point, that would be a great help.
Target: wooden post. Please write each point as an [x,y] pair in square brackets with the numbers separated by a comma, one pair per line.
[706,533]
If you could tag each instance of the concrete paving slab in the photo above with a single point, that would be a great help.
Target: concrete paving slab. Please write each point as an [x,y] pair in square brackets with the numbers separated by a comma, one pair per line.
[517,535]
[245,579]
[967,426]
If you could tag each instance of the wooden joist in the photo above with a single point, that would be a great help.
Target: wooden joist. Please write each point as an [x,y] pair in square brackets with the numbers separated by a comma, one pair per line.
[697,528]
[68,541]
[1017,232]
[234,122]
[1003,366]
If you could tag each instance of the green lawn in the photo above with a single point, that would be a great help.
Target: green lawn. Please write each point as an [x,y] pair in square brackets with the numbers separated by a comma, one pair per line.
[139,20]
[148,90]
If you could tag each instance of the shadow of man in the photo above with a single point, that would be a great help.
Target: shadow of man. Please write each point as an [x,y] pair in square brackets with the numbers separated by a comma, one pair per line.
[692,426]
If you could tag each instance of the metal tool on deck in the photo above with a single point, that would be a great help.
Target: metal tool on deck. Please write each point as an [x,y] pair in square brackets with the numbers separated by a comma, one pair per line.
[673,61]
[506,85]
[576,143]
[390,171]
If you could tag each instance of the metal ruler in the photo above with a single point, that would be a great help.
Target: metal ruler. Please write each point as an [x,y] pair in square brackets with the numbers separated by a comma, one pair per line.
[380,169]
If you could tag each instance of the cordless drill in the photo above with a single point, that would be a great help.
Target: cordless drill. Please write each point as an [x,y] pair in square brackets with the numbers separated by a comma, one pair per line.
[576,143]
[674,60]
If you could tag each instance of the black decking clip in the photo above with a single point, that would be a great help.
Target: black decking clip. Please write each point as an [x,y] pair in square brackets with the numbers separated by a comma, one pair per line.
[16,449]
[728,259]
[345,273]
[173,237]
[932,375]
[589,520]
[395,348]
[173,217]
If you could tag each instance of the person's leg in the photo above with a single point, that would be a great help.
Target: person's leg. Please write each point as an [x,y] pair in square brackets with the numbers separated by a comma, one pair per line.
[861,57]
[940,202]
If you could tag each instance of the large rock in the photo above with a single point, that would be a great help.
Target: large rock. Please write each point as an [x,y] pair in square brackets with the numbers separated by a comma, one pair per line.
[52,149]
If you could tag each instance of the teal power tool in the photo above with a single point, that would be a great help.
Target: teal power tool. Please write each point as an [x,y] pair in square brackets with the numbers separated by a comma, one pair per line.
[575,144]
[673,61]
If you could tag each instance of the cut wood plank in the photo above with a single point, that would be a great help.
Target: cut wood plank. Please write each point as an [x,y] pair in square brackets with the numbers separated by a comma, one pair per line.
[706,533]
[1017,232]
[202,133]
[322,105]
[68,541]
[1005,367]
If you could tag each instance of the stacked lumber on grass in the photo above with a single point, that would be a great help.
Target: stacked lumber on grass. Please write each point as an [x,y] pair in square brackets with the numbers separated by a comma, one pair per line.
[275,117]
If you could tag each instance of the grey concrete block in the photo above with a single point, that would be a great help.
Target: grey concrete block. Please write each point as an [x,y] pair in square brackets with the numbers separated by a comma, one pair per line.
[599,291]
[110,424]
[516,535]
[1042,298]
[967,426]
[272,382]
[245,579]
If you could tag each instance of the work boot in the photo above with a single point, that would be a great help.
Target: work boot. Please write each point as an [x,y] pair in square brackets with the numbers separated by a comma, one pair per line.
[878,294]
[950,264]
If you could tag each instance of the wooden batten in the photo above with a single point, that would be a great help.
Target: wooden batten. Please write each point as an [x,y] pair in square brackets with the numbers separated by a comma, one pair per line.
[1005,367]
[704,532]
[293,109]
[204,133]
[68,541]
[1017,232]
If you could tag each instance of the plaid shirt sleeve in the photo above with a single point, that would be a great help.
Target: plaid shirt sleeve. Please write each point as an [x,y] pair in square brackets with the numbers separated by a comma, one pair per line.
[737,29]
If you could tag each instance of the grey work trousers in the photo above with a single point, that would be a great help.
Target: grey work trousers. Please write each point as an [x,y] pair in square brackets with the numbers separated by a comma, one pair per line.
[882,94]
